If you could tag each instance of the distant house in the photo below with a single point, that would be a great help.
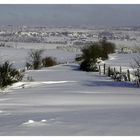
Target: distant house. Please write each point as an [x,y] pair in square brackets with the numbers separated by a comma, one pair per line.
[125,50]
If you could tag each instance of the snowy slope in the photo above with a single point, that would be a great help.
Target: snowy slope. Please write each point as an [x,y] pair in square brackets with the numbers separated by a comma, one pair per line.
[19,56]
[65,101]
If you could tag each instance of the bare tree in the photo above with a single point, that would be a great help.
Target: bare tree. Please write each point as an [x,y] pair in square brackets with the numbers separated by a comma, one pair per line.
[34,60]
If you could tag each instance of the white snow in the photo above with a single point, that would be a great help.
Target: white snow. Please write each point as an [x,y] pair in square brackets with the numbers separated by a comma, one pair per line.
[43,120]
[1,111]
[32,123]
[29,122]
[19,56]
[19,85]
[89,105]
[65,101]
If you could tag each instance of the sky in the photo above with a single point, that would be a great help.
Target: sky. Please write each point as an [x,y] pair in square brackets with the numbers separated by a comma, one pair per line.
[70,15]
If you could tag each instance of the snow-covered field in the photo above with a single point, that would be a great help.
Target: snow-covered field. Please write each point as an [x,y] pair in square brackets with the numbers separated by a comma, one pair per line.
[62,100]
[19,56]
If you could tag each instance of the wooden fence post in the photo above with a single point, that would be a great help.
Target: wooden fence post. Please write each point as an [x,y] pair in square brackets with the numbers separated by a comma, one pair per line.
[109,71]
[128,75]
[120,70]
[138,81]
[114,70]
[99,69]
[104,69]
[114,75]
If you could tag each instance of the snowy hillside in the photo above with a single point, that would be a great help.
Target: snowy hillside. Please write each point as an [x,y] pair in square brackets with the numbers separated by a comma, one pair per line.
[62,100]
[65,101]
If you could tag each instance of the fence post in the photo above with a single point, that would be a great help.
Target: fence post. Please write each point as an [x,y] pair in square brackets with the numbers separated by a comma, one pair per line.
[120,70]
[128,75]
[138,82]
[109,71]
[114,70]
[114,76]
[104,69]
[99,69]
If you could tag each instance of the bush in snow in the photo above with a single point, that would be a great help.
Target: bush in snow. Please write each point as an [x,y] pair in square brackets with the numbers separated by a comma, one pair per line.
[91,54]
[49,61]
[89,65]
[9,75]
[107,48]
[117,76]
[34,60]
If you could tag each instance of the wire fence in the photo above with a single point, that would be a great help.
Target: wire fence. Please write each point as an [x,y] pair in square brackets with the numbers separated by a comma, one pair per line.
[120,73]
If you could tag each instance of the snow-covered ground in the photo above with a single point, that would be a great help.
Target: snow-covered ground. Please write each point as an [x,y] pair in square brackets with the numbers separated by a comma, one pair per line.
[62,100]
[32,45]
[123,60]
[19,56]
[65,101]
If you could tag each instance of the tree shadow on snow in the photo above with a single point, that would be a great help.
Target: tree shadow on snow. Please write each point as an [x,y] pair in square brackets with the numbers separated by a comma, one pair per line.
[109,83]
[75,67]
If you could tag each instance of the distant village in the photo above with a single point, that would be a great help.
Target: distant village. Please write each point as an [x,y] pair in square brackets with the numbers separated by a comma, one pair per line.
[70,38]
